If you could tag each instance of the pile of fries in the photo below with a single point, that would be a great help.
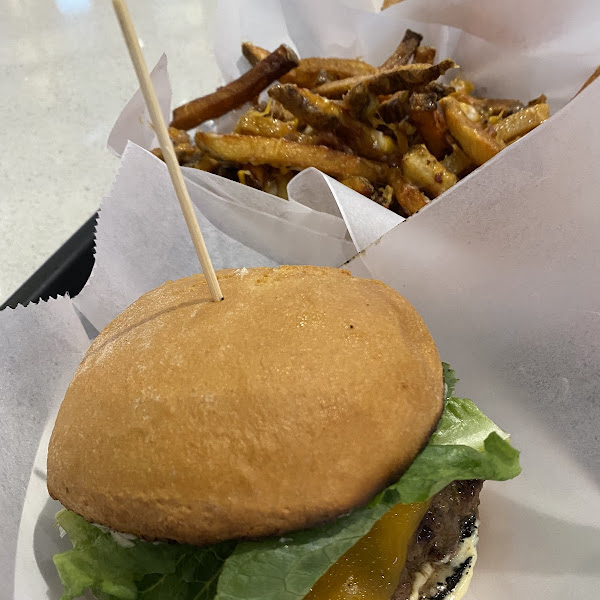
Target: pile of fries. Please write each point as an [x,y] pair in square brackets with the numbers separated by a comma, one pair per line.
[394,133]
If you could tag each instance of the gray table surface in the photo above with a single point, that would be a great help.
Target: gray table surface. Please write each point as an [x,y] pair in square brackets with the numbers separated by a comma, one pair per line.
[64,77]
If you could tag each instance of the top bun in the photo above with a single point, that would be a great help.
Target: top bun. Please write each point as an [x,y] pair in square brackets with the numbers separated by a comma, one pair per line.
[296,399]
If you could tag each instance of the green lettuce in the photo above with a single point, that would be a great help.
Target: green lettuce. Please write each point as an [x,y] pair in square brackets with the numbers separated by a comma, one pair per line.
[465,445]
[139,569]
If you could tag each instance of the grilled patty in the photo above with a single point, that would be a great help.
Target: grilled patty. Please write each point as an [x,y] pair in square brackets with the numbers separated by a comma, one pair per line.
[450,518]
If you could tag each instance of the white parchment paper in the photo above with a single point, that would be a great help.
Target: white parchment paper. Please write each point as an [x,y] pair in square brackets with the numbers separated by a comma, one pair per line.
[512,294]
[503,267]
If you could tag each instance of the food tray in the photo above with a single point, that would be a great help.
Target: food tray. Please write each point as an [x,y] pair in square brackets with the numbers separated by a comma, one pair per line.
[66,271]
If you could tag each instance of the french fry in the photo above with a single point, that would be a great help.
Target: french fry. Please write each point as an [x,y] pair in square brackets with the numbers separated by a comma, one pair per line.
[307,73]
[312,137]
[400,131]
[285,154]
[462,85]
[458,162]
[425,54]
[409,198]
[384,196]
[431,125]
[275,110]
[423,101]
[336,89]
[309,70]
[254,122]
[521,122]
[541,99]
[203,163]
[236,93]
[395,108]
[406,77]
[423,170]
[404,52]
[359,184]
[254,54]
[491,107]
[266,178]
[323,114]
[439,89]
[466,128]
[184,151]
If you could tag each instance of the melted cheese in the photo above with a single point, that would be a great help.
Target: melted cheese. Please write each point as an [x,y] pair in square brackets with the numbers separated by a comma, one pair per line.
[371,569]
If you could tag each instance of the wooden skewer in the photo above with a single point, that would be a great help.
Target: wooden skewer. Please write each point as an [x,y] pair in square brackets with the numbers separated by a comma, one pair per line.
[166,146]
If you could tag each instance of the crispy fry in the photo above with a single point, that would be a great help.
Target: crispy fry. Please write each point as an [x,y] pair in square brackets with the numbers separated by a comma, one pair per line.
[204,163]
[433,129]
[359,184]
[439,89]
[477,143]
[395,108]
[521,122]
[425,55]
[254,54]
[184,151]
[423,170]
[266,178]
[384,196]
[323,114]
[462,85]
[423,101]
[409,198]
[285,154]
[429,122]
[336,89]
[275,110]
[404,52]
[257,176]
[257,123]
[236,93]
[308,71]
[491,107]
[312,137]
[401,133]
[541,99]
[498,106]
[406,77]
[458,162]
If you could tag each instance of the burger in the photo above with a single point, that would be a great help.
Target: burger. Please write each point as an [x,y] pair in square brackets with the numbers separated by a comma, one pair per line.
[300,439]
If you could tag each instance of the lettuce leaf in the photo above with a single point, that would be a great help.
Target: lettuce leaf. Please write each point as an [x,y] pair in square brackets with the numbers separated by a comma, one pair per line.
[465,445]
[450,380]
[139,571]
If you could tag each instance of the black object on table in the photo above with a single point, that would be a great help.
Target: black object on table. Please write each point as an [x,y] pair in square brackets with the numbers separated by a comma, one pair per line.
[66,270]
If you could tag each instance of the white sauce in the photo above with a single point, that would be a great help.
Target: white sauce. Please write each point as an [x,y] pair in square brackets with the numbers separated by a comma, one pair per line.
[126,540]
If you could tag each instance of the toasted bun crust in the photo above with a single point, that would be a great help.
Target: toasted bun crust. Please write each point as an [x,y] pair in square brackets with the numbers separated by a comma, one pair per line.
[296,399]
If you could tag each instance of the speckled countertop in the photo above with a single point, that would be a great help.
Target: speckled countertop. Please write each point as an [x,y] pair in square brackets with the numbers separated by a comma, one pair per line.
[64,77]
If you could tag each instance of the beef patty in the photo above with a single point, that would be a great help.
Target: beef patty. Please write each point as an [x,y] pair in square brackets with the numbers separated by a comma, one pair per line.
[450,518]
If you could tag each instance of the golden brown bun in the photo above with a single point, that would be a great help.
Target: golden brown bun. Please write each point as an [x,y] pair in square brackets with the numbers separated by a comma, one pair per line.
[296,399]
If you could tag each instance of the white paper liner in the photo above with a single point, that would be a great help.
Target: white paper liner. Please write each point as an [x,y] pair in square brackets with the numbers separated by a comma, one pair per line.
[512,296]
[504,270]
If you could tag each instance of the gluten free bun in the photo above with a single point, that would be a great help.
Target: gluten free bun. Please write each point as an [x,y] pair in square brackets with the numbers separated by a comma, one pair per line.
[296,399]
